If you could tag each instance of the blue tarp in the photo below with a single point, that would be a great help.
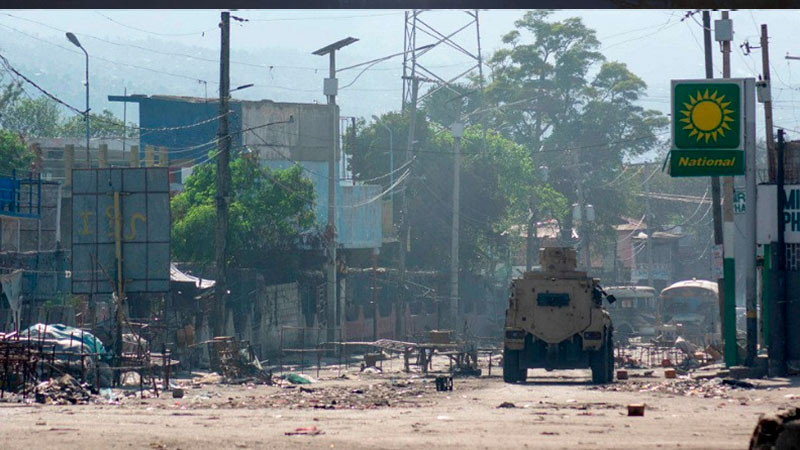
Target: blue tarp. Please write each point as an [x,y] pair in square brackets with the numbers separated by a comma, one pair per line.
[64,334]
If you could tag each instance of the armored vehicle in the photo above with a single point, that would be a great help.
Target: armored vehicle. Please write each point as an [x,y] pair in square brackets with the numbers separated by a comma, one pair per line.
[555,320]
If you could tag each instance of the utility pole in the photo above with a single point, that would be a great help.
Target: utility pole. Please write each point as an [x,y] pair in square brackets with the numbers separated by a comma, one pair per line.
[715,186]
[223,178]
[330,89]
[777,347]
[530,240]
[124,122]
[751,198]
[581,213]
[729,263]
[405,233]
[648,220]
[457,131]
[771,157]
[414,65]
[375,252]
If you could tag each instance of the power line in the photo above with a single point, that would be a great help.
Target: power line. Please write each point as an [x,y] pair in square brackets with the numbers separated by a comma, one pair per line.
[199,58]
[42,90]
[99,58]
[332,17]
[154,32]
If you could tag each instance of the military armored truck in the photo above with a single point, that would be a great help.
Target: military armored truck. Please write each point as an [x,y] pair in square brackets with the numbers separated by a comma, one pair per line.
[555,320]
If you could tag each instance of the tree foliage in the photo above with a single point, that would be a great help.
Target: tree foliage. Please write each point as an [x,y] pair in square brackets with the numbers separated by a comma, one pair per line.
[268,210]
[43,117]
[576,112]
[497,179]
[14,154]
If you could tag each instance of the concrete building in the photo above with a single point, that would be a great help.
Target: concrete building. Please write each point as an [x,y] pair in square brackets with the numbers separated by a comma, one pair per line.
[279,135]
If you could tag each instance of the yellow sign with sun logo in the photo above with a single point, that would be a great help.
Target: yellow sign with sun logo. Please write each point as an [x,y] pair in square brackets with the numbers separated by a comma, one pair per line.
[706,115]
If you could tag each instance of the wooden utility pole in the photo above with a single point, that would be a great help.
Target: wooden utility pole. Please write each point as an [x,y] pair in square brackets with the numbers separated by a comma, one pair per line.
[771,157]
[223,178]
[729,263]
[715,186]
[777,345]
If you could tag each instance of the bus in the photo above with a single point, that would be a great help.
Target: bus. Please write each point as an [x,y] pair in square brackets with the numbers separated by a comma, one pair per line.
[635,312]
[690,309]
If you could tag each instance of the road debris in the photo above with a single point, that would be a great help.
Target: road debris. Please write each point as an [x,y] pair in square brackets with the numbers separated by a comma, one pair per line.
[738,383]
[683,386]
[296,378]
[506,405]
[444,383]
[64,390]
[636,410]
[305,431]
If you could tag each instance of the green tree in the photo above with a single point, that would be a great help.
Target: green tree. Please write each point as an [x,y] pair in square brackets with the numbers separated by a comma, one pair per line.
[582,127]
[9,94]
[102,125]
[497,178]
[42,117]
[268,211]
[14,154]
[37,117]
[447,105]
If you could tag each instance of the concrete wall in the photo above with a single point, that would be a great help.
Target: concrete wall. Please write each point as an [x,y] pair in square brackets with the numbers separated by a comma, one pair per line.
[308,138]
[53,154]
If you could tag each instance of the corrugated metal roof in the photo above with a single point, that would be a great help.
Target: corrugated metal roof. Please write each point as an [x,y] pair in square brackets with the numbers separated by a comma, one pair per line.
[179,277]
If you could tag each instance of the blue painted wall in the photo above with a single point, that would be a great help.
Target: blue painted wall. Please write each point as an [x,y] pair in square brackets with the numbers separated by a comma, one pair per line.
[192,143]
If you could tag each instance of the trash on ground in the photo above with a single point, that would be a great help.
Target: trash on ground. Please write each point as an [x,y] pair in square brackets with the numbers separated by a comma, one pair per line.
[305,431]
[636,410]
[63,390]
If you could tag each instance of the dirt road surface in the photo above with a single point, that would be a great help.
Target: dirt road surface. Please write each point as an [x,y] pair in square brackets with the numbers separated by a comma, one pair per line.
[393,410]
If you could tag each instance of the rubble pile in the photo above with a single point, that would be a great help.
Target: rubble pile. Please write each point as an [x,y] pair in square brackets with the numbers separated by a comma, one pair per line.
[340,397]
[64,390]
[705,388]
[284,394]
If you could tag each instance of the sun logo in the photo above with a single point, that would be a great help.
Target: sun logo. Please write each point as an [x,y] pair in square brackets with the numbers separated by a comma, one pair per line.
[707,116]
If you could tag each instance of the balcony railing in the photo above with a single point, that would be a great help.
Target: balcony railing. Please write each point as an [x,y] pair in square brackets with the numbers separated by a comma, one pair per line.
[21,196]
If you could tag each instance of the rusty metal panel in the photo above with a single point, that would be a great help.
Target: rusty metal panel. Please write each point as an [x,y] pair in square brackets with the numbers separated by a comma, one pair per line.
[144,204]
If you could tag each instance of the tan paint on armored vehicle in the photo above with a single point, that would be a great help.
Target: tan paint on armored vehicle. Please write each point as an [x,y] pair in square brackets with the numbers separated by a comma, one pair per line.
[556,307]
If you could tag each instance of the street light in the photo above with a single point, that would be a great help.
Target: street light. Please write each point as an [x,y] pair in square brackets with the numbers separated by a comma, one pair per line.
[239,88]
[391,154]
[71,37]
[330,87]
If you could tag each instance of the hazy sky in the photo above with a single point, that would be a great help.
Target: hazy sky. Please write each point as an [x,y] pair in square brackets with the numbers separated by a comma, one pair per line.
[655,44]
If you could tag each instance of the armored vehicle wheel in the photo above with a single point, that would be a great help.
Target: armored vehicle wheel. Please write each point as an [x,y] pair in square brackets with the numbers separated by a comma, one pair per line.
[602,362]
[512,372]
